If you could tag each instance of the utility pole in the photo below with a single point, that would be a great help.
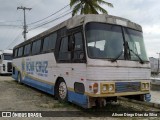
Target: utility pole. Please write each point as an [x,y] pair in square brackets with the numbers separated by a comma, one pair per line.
[158,63]
[25,26]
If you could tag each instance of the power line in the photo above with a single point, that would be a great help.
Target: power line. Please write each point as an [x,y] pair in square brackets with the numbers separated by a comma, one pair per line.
[10,21]
[49,15]
[9,25]
[17,38]
[18,26]
[50,21]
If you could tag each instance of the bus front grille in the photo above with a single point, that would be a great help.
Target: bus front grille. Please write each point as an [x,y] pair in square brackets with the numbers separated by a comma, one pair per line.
[127,87]
[9,67]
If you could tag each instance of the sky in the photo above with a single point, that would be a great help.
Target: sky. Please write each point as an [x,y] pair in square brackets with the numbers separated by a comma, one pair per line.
[144,12]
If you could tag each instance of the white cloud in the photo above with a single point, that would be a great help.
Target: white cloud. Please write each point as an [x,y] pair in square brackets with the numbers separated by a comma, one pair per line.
[144,12]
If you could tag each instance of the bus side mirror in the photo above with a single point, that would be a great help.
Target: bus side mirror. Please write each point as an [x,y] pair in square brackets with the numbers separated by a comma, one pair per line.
[0,57]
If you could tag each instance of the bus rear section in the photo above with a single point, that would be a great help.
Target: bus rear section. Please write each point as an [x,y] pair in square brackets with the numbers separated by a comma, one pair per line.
[6,62]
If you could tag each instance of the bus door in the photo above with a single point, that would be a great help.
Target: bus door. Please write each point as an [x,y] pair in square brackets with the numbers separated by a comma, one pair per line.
[64,57]
[71,58]
[78,69]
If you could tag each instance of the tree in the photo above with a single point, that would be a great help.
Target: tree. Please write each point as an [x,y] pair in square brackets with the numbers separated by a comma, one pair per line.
[88,6]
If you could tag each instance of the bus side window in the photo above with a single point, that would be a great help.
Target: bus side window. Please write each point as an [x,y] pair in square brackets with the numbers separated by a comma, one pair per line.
[15,53]
[27,49]
[64,53]
[79,47]
[53,38]
[20,51]
[36,47]
[45,44]
[49,42]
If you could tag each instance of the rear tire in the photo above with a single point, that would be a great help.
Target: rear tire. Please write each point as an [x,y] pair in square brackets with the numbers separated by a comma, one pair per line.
[61,91]
[19,78]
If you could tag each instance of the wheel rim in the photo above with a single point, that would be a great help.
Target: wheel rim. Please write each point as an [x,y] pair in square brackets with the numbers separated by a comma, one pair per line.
[62,90]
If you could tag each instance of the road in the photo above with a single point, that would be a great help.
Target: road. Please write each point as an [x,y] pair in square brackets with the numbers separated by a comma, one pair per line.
[155,97]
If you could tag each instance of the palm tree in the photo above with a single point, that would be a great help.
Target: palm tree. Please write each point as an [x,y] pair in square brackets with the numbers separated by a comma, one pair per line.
[88,6]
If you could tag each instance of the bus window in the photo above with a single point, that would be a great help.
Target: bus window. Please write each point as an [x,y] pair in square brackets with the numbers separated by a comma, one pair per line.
[20,51]
[78,49]
[53,38]
[7,57]
[36,47]
[64,54]
[15,53]
[78,41]
[46,44]
[49,42]
[27,49]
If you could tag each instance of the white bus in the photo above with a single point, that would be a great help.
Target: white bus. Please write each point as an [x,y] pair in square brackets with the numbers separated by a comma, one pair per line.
[6,62]
[87,60]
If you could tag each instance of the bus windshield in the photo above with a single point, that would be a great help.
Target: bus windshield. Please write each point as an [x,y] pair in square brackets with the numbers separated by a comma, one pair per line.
[103,40]
[106,41]
[8,57]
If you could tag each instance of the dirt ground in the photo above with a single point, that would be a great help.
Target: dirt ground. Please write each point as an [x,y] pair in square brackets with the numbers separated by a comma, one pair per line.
[19,97]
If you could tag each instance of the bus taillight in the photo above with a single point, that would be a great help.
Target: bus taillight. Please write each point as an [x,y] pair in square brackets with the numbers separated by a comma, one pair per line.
[95,87]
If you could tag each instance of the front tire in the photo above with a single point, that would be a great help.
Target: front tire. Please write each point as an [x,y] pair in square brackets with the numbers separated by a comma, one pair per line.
[61,91]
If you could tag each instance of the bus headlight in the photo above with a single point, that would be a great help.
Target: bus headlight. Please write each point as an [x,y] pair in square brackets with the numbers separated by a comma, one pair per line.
[104,88]
[145,86]
[111,87]
[107,88]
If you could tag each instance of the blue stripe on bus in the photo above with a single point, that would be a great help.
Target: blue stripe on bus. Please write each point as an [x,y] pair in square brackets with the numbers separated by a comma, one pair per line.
[79,99]
[73,97]
[39,85]
[15,75]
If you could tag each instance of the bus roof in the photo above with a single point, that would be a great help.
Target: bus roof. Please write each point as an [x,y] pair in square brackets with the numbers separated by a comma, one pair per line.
[83,19]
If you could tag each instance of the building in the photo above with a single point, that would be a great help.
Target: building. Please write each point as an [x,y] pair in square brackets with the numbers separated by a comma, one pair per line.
[154,65]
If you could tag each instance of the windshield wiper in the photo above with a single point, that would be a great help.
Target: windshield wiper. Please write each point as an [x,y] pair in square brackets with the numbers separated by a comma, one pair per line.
[141,61]
[115,59]
[130,50]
